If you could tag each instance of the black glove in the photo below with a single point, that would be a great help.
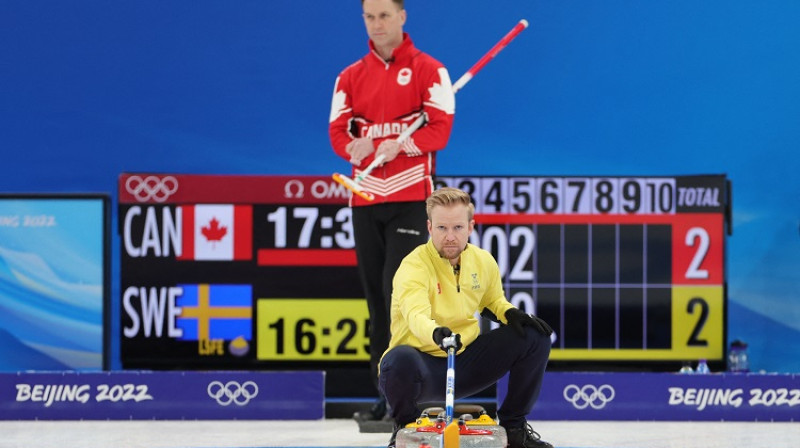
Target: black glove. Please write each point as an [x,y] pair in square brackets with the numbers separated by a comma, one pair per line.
[488,314]
[439,333]
[518,319]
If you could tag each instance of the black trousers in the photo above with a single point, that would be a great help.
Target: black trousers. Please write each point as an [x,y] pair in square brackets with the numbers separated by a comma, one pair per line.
[409,377]
[384,235]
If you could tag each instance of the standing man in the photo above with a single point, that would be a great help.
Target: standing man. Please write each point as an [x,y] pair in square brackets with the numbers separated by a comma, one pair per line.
[438,290]
[374,100]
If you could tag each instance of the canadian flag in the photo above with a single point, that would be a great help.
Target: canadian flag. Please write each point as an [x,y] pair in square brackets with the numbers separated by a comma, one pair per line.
[217,232]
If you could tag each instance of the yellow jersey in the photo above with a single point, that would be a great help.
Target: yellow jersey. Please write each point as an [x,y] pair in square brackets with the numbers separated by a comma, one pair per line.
[427,292]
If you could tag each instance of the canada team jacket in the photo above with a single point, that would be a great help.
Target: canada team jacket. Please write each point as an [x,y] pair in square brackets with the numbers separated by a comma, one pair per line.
[428,294]
[379,99]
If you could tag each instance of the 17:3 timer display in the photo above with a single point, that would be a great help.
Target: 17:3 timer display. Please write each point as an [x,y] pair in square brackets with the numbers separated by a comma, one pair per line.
[318,226]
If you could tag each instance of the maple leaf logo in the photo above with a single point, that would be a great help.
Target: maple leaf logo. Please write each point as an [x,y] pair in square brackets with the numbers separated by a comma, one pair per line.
[213,231]
[339,103]
[442,96]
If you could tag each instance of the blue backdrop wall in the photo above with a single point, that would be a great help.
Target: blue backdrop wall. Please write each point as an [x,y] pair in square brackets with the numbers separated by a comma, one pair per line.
[90,89]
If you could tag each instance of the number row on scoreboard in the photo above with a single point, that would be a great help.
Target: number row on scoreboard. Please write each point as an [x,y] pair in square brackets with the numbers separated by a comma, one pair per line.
[688,250]
[567,195]
[627,323]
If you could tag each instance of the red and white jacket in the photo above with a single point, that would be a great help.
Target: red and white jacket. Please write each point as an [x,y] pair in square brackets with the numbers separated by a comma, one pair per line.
[379,99]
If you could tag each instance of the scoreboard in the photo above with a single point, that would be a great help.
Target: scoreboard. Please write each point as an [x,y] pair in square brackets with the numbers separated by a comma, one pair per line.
[238,272]
[623,269]
[260,271]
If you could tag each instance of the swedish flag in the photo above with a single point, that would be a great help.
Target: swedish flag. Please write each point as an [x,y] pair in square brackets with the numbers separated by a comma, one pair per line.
[215,312]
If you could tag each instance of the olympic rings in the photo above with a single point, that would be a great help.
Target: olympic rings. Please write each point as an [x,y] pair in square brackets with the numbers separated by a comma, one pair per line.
[232,392]
[589,395]
[151,187]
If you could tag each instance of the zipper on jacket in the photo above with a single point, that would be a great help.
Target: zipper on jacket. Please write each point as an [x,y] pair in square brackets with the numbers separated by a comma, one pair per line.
[387,67]
[457,273]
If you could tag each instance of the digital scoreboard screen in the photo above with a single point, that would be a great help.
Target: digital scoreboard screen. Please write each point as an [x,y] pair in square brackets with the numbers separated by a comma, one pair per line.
[260,271]
[623,269]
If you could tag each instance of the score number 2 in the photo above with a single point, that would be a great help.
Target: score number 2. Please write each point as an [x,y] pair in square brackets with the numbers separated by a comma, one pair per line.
[700,235]
[697,249]
[698,321]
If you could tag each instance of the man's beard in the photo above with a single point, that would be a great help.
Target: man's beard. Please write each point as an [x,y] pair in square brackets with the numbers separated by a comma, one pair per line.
[454,252]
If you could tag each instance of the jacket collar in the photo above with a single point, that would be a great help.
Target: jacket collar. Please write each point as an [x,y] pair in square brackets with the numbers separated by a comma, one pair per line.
[400,54]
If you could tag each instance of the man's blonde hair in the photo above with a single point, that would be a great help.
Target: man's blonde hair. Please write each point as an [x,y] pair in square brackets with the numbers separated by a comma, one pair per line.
[448,196]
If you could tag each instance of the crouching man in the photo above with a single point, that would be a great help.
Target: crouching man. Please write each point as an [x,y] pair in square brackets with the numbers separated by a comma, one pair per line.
[437,291]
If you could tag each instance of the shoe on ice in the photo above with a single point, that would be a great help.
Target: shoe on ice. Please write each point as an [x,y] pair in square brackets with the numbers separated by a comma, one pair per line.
[525,437]
[376,412]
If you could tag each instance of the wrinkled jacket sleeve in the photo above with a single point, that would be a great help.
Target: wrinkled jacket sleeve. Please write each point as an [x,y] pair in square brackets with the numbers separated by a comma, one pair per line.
[495,299]
[412,293]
